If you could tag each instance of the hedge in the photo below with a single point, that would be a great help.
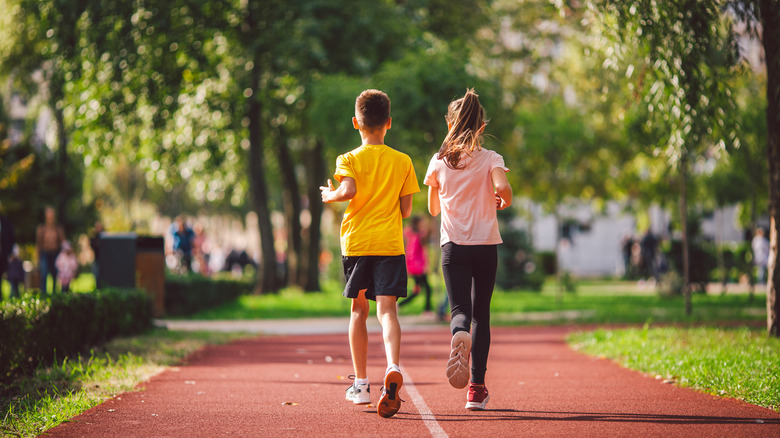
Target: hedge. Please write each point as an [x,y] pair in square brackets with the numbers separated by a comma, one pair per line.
[185,295]
[36,331]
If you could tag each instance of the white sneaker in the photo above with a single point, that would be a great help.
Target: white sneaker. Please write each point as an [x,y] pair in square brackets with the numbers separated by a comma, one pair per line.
[359,394]
[458,365]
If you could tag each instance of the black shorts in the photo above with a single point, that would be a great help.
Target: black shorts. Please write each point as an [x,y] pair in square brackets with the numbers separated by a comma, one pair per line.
[378,275]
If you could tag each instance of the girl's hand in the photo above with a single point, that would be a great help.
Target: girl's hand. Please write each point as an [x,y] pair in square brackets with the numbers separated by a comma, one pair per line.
[500,204]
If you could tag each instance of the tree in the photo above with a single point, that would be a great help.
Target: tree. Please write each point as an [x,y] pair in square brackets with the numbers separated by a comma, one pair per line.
[42,37]
[661,26]
[767,13]
[689,52]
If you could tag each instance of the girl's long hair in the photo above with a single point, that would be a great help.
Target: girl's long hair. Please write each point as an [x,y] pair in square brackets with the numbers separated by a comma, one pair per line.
[466,117]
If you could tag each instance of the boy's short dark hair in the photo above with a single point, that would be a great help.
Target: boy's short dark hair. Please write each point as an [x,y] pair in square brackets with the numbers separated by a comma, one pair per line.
[372,109]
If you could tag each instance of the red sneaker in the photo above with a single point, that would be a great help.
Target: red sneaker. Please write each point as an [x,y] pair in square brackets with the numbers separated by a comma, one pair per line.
[477,398]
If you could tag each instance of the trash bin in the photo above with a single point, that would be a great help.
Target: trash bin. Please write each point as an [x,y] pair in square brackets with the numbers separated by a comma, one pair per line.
[131,261]
[117,260]
[150,270]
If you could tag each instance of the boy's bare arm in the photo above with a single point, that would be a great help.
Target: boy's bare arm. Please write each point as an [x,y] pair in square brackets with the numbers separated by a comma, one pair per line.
[346,191]
[406,206]
[434,205]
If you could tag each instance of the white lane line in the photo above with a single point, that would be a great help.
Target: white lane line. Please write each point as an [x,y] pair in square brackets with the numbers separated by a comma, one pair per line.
[422,408]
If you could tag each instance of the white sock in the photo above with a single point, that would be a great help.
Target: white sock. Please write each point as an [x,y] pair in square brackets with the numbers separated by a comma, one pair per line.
[361,381]
[394,367]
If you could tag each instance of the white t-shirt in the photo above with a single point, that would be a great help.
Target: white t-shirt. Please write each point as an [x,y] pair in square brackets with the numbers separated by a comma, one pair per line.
[468,202]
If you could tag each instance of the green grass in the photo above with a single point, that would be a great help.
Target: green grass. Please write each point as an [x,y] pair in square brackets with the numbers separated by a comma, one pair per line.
[85,282]
[738,362]
[599,302]
[52,395]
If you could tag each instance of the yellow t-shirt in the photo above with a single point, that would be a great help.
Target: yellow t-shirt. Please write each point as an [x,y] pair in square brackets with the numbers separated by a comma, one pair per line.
[372,222]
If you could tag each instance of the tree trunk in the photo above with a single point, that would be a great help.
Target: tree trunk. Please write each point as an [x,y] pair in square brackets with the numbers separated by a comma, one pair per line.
[719,227]
[770,23]
[259,189]
[292,211]
[56,93]
[316,177]
[753,226]
[684,227]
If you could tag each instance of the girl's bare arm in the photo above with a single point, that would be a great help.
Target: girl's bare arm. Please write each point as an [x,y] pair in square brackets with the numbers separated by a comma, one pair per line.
[434,205]
[503,189]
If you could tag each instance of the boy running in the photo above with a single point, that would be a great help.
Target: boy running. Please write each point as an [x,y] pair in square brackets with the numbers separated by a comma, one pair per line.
[379,183]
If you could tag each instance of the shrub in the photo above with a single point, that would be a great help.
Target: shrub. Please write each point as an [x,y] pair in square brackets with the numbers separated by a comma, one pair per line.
[702,259]
[548,261]
[737,261]
[35,331]
[188,294]
[517,266]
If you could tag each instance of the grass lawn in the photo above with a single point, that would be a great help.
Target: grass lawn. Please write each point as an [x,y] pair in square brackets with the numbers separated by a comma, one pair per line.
[734,362]
[52,395]
[594,302]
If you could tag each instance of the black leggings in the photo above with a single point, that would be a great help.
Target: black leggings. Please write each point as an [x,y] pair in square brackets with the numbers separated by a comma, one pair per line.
[470,274]
[420,281]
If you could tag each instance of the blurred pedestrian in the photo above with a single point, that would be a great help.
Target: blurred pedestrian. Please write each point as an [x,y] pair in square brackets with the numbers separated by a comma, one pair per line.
[15,271]
[48,242]
[649,245]
[760,246]
[417,262]
[625,248]
[183,238]
[6,245]
[94,243]
[201,250]
[67,266]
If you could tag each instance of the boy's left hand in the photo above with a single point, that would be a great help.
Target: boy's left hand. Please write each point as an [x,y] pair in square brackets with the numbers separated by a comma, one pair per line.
[326,191]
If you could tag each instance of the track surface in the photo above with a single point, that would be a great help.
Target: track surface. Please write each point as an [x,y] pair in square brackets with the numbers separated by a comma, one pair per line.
[293,386]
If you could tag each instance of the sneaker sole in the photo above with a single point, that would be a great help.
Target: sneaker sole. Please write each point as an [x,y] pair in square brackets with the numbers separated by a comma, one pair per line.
[390,402]
[475,406]
[458,372]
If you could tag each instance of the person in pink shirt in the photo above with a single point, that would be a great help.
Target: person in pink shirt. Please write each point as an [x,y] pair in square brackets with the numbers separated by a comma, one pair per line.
[417,262]
[467,185]
[67,266]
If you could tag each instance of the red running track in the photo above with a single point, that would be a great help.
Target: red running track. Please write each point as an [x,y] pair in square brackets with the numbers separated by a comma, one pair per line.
[293,386]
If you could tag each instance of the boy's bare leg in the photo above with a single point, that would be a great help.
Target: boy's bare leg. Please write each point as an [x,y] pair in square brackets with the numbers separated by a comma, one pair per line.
[387,313]
[358,335]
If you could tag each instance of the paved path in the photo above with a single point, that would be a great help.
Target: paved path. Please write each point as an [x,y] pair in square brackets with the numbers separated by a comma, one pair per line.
[293,386]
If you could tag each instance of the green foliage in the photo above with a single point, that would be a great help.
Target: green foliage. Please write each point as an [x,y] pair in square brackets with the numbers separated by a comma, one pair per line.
[518,267]
[703,259]
[737,262]
[741,176]
[739,363]
[37,331]
[689,53]
[185,295]
[38,186]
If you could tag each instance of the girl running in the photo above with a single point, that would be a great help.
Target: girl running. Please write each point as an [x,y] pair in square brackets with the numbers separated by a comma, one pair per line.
[467,185]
